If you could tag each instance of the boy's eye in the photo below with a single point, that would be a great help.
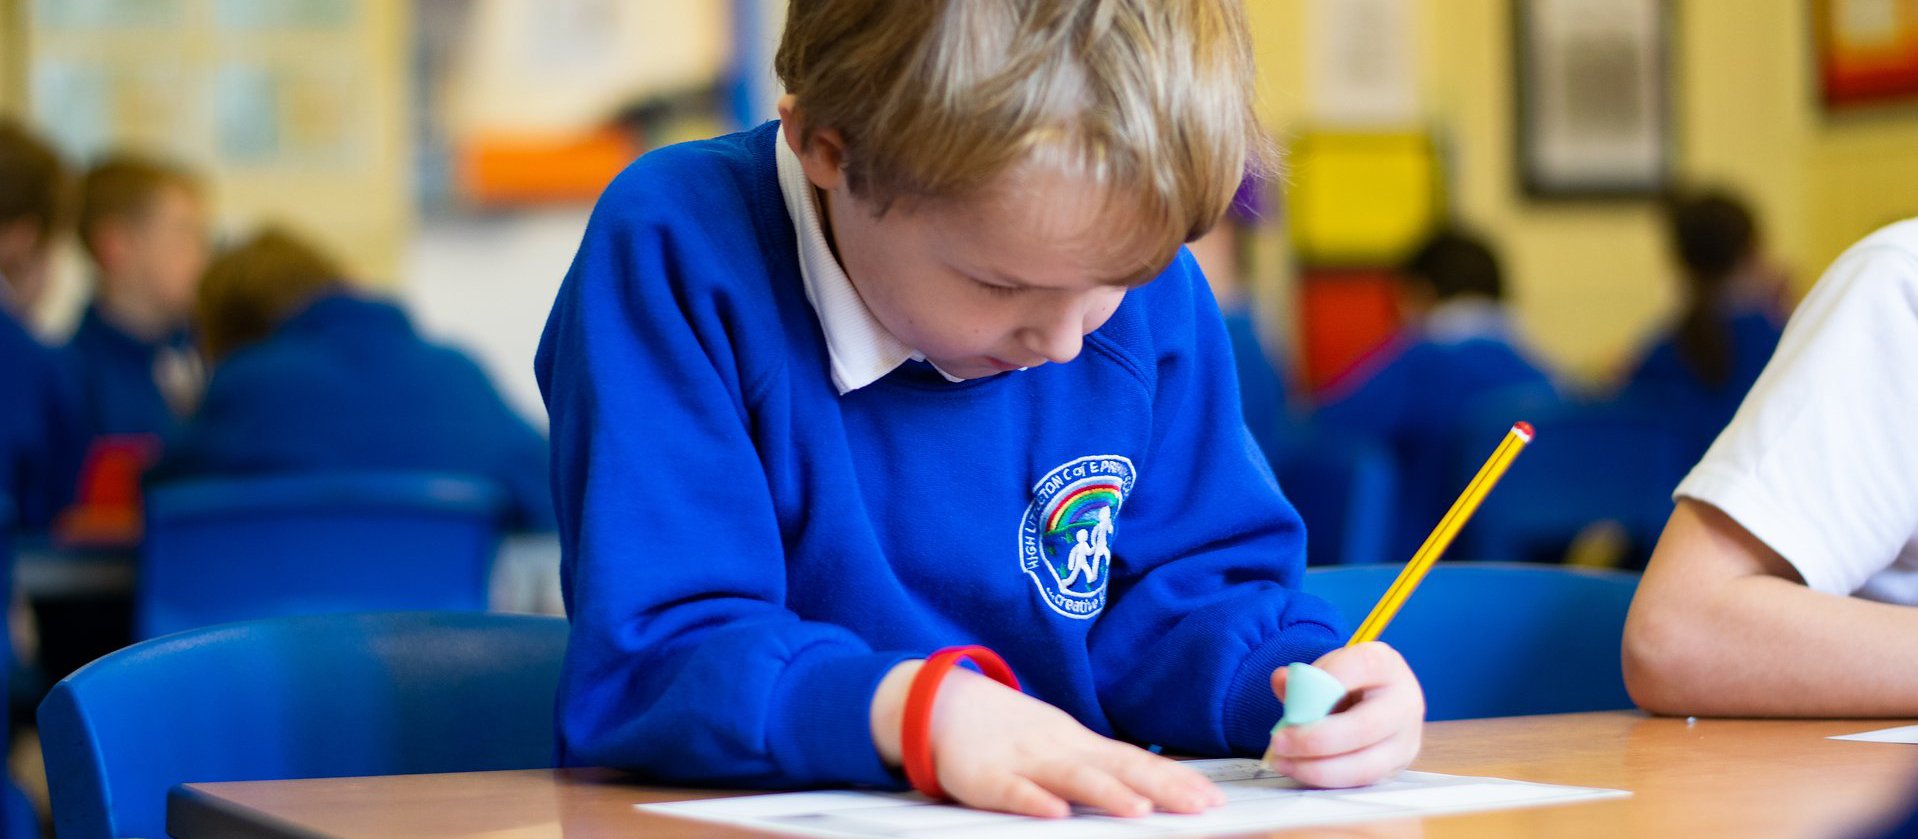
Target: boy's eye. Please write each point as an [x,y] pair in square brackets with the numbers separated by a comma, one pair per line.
[996,290]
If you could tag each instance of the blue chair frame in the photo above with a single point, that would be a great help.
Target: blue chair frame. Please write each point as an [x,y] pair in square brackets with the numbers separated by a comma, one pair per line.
[229,549]
[1495,639]
[301,697]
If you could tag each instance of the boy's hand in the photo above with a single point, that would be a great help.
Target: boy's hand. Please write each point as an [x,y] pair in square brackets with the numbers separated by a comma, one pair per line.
[1375,733]
[998,749]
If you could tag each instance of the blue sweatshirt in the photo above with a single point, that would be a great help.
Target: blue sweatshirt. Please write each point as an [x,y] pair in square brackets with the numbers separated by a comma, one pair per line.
[41,442]
[1417,397]
[1666,384]
[746,552]
[346,384]
[118,389]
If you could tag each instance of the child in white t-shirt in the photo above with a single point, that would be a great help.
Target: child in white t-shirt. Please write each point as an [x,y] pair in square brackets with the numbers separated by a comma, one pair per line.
[1784,582]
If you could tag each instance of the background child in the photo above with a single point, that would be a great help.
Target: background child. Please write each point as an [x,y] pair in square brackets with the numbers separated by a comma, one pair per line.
[1265,382]
[1695,375]
[1785,582]
[40,442]
[1459,353]
[309,376]
[144,225]
[839,391]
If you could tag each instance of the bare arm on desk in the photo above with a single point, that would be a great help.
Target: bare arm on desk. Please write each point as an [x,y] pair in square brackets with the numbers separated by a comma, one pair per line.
[1724,626]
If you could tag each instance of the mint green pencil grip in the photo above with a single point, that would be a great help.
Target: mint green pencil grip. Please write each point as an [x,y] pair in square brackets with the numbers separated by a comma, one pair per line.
[1310,694]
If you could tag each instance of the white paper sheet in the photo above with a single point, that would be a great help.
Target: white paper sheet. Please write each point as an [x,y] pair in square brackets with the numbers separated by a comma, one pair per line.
[1256,800]
[1901,734]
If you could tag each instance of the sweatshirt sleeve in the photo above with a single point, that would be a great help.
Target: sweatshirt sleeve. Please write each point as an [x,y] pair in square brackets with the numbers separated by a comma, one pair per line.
[1206,600]
[684,663]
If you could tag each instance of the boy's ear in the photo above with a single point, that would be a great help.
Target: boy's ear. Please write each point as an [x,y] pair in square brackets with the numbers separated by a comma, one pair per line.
[823,155]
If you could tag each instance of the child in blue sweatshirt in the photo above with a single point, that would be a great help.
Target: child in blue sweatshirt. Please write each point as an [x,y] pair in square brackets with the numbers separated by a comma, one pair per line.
[923,364]
[1416,395]
[310,377]
[41,443]
[144,225]
[1696,373]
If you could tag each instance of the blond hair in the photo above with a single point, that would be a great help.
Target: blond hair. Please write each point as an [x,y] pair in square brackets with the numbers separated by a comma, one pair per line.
[1152,99]
[247,292]
[123,187]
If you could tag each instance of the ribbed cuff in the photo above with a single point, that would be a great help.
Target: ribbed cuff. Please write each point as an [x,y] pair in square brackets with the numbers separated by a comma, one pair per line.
[1250,708]
[824,735]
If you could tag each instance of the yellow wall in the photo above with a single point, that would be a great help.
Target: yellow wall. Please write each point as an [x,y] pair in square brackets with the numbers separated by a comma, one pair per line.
[12,58]
[364,214]
[1590,279]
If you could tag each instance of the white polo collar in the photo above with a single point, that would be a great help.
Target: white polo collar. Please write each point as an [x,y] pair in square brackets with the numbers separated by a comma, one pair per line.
[862,351]
[1468,318]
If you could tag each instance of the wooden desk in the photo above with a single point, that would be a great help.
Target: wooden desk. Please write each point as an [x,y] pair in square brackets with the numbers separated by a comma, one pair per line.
[1745,778]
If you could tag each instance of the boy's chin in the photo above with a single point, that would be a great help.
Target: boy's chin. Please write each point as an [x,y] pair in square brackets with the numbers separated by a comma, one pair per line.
[978,368]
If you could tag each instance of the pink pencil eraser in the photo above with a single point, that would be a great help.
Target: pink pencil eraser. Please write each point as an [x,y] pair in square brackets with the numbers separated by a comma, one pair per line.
[1524,428]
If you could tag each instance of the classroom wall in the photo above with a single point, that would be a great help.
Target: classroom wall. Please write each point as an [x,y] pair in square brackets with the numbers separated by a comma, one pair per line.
[1591,278]
[364,211]
[12,59]
[326,85]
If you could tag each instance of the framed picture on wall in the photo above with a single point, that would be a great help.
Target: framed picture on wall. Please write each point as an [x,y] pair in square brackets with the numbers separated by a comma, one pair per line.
[1867,52]
[1592,104]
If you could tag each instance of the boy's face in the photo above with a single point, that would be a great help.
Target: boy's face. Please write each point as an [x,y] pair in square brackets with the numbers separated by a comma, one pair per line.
[161,253]
[1016,277]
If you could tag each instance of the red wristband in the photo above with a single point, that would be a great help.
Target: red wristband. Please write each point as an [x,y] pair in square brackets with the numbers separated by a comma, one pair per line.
[915,739]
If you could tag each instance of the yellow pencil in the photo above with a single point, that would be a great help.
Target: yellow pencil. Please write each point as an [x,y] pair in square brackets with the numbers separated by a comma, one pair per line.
[1441,538]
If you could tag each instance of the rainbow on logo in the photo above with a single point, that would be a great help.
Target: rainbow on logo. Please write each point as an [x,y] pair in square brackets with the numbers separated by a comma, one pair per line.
[1082,496]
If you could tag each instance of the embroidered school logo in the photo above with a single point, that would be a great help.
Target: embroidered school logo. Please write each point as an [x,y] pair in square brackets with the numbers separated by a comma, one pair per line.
[1065,541]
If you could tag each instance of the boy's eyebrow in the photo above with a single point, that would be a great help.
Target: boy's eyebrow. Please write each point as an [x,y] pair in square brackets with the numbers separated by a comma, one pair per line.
[1129,281]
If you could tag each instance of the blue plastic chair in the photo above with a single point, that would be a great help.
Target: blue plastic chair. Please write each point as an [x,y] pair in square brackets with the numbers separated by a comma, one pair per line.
[1497,640]
[1590,463]
[229,549]
[303,697]
[1345,489]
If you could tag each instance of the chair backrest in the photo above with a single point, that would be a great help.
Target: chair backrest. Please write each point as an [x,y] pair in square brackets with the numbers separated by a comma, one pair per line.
[1493,640]
[301,697]
[1346,491]
[221,550]
[1590,463]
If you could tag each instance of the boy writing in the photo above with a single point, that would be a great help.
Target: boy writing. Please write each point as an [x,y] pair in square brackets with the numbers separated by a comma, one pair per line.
[845,389]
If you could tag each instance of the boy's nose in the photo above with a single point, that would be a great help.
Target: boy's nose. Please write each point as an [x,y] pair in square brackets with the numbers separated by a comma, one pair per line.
[1059,342]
